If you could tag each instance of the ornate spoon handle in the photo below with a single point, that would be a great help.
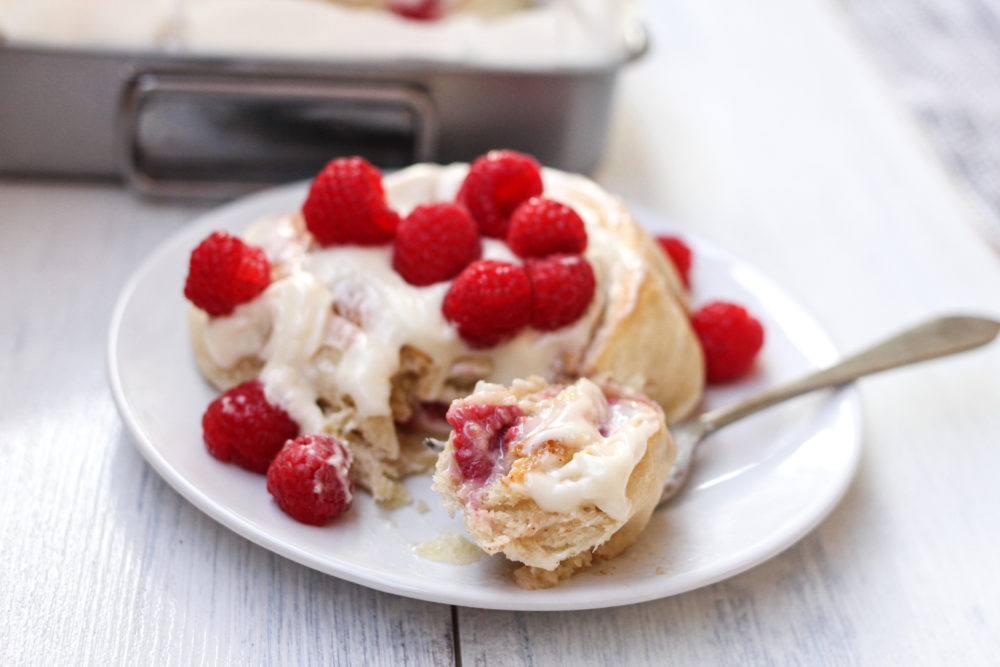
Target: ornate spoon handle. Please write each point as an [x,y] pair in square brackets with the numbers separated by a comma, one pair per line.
[936,338]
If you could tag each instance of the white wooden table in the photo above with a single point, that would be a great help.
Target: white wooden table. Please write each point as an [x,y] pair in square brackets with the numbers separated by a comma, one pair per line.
[761,126]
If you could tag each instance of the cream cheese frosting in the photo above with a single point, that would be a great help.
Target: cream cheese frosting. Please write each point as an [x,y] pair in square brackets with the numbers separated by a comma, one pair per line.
[610,440]
[349,300]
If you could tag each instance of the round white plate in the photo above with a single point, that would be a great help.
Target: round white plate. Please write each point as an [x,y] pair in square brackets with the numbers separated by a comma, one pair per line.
[758,487]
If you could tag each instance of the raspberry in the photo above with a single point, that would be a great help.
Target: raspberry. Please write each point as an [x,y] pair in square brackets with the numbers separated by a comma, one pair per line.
[730,337]
[310,479]
[489,302]
[680,254]
[540,227]
[496,184]
[478,440]
[562,287]
[242,427]
[346,205]
[420,10]
[225,272]
[434,243]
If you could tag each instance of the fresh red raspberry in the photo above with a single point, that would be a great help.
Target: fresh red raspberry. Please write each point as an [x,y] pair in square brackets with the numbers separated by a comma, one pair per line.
[540,227]
[346,205]
[434,243]
[242,427]
[225,272]
[478,440]
[731,338]
[489,302]
[562,286]
[420,10]
[496,184]
[310,479]
[680,254]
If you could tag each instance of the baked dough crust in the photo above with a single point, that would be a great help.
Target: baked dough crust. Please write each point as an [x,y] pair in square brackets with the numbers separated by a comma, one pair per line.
[645,340]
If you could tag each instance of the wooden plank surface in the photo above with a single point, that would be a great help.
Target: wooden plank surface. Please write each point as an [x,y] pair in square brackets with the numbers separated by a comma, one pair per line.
[943,60]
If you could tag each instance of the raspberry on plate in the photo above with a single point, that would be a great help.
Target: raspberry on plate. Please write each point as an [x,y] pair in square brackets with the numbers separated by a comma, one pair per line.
[731,338]
[540,227]
[310,479]
[434,243]
[489,302]
[562,287]
[497,183]
[680,254]
[346,205]
[243,427]
[225,272]
[418,10]
[479,433]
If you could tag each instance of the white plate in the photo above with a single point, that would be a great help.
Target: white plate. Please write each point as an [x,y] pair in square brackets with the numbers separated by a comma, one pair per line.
[758,487]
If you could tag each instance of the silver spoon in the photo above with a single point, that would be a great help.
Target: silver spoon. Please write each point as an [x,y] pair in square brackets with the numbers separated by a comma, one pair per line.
[936,338]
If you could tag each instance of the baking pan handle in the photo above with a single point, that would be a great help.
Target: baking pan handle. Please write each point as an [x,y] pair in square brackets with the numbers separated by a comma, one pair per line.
[197,135]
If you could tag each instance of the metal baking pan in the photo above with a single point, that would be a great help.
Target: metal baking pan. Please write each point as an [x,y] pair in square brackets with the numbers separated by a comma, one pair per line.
[181,125]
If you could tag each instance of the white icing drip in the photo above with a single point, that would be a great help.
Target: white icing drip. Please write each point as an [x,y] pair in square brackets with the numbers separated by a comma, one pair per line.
[600,468]
[284,240]
[284,326]
[300,307]
[242,333]
[389,313]
[341,462]
[571,417]
[284,386]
